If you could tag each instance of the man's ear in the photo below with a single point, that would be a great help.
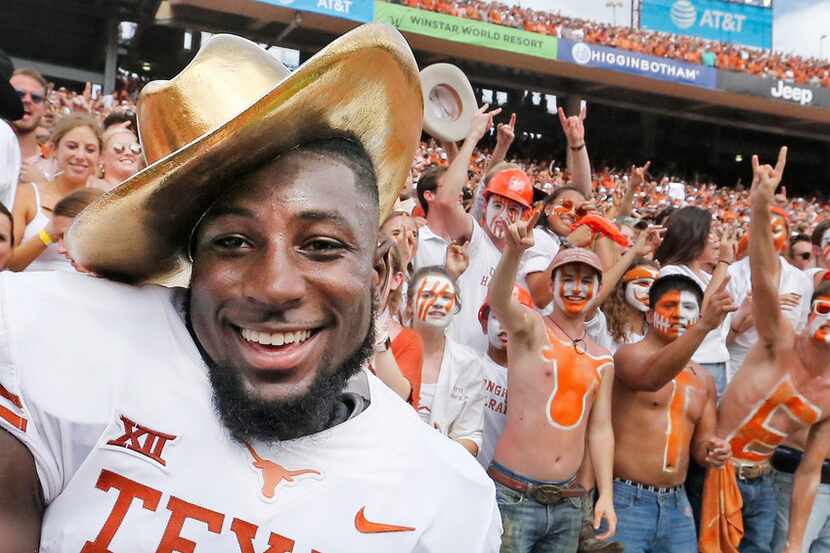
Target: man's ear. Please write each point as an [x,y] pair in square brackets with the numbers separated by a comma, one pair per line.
[382,277]
[650,317]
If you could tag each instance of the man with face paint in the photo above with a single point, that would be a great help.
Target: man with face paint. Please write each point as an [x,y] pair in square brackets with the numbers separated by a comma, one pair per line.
[821,251]
[495,376]
[508,194]
[664,412]
[451,377]
[560,406]
[794,289]
[782,388]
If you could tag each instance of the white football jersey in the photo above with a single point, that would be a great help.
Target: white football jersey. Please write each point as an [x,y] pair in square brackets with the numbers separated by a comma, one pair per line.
[115,406]
[495,408]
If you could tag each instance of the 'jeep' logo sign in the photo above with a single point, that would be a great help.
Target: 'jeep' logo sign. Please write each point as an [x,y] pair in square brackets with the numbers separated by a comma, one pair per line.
[803,96]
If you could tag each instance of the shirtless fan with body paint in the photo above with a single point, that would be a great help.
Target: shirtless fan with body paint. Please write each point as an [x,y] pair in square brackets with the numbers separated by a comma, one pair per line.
[782,388]
[560,402]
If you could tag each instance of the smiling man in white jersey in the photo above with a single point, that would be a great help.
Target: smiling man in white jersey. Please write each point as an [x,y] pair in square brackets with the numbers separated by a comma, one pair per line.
[236,415]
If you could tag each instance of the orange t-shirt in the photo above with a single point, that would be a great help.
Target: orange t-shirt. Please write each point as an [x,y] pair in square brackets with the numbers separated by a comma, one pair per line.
[408,351]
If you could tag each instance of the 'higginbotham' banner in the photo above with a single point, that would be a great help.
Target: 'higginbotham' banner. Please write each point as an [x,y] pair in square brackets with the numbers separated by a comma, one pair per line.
[624,61]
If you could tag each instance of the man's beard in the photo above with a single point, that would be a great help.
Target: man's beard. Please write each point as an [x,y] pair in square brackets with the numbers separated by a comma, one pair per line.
[248,417]
[21,128]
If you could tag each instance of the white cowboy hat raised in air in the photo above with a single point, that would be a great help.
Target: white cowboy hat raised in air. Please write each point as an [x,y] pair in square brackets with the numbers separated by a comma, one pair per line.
[449,102]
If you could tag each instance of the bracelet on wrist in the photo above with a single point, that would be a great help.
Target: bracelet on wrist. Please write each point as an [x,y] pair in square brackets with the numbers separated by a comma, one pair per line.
[724,261]
[577,148]
[45,238]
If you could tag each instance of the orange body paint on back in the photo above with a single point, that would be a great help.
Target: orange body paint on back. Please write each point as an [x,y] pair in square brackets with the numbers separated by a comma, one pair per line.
[756,439]
[575,377]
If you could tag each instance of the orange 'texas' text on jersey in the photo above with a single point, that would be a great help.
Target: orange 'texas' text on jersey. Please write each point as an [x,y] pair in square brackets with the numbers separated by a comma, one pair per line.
[678,429]
[575,377]
[756,432]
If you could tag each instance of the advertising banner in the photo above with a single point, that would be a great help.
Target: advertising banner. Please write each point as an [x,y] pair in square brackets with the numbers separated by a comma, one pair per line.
[774,89]
[711,19]
[602,57]
[356,10]
[466,31]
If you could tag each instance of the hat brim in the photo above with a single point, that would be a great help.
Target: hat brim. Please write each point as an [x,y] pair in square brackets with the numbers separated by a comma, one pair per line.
[11,108]
[363,85]
[443,128]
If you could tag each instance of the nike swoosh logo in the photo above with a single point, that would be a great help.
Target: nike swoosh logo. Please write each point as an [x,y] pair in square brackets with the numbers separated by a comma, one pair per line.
[367,527]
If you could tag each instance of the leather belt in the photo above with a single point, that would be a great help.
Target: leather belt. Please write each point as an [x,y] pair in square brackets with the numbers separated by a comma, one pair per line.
[546,494]
[751,471]
[787,459]
[648,487]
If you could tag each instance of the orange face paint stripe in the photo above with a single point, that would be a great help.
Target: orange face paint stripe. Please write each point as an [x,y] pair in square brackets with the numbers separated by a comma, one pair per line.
[755,429]
[427,305]
[678,431]
[639,273]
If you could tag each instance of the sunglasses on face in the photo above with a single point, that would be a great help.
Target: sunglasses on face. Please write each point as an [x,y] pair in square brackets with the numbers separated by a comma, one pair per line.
[567,206]
[36,98]
[134,148]
[805,255]
[821,307]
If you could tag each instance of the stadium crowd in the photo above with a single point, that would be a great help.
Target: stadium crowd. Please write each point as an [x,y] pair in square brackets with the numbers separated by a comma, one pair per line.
[651,301]
[732,57]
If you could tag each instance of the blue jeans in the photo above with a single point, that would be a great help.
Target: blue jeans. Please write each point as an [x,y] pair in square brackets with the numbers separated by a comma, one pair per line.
[718,372]
[650,522]
[531,527]
[759,514]
[817,534]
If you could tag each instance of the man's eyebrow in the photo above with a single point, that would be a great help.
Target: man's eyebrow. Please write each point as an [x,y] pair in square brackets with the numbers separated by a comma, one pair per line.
[229,210]
[325,215]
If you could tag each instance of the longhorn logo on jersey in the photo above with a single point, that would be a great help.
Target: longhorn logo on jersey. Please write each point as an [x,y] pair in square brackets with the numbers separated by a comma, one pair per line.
[273,474]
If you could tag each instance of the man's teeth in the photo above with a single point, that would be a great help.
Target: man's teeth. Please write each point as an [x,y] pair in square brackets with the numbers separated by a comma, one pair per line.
[276,338]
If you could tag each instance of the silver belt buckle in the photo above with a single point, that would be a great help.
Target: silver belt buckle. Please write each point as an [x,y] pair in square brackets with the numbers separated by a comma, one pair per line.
[546,494]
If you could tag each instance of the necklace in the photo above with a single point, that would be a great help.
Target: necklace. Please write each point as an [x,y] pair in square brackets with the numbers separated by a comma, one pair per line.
[579,344]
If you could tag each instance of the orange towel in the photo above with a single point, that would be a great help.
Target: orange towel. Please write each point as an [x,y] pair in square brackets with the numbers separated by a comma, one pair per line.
[722,525]
[601,225]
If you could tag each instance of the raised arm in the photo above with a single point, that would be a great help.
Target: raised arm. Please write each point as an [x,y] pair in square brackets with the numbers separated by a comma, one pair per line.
[514,318]
[505,133]
[763,259]
[448,194]
[578,162]
[652,372]
[805,482]
[21,503]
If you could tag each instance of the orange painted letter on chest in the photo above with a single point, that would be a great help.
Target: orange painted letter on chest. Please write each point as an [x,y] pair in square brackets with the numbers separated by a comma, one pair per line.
[575,376]
[756,439]
[678,429]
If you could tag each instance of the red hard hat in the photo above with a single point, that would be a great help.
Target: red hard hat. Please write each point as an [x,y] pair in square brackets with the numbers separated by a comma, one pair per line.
[512,184]
[519,293]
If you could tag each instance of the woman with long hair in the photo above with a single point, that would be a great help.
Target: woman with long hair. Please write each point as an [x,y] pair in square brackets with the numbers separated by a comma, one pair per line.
[398,350]
[688,248]
[451,376]
[77,145]
[622,319]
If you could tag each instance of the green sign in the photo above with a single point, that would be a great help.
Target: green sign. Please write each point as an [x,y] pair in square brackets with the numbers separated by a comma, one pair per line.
[466,31]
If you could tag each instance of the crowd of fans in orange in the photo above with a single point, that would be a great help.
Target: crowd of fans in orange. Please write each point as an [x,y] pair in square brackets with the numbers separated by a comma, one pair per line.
[732,57]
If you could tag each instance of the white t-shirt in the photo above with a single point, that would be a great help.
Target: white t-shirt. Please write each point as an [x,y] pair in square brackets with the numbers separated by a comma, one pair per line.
[472,285]
[495,409]
[597,330]
[118,404]
[792,281]
[713,349]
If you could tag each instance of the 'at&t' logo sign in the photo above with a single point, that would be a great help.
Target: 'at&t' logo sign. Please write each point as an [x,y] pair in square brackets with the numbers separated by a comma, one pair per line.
[340,6]
[684,16]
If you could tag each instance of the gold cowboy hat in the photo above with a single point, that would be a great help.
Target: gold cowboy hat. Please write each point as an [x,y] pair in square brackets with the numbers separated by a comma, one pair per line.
[231,109]
[449,102]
